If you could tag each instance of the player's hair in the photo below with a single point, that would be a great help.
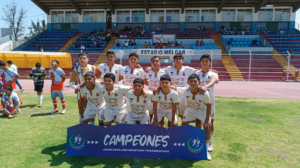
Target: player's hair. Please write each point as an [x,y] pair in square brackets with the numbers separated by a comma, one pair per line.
[9,88]
[111,76]
[56,61]
[9,62]
[133,54]
[38,65]
[89,74]
[205,56]
[138,80]
[84,54]
[194,76]
[165,77]
[155,57]
[178,55]
[2,63]
[110,52]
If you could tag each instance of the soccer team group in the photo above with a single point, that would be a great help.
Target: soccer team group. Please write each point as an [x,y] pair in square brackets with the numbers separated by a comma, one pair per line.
[174,91]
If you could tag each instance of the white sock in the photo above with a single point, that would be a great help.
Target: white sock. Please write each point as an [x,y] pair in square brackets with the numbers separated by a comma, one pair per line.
[211,138]
[41,98]
[207,145]
[80,119]
[92,123]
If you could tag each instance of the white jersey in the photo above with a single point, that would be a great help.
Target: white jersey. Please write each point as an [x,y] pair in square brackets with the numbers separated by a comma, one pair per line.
[14,96]
[206,79]
[116,70]
[114,98]
[165,101]
[94,97]
[138,104]
[131,74]
[154,78]
[179,77]
[194,103]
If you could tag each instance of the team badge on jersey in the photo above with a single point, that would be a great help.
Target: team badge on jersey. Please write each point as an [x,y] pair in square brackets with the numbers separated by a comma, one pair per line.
[159,97]
[116,94]
[116,71]
[137,74]
[150,76]
[131,100]
[97,94]
[126,72]
[145,101]
[200,101]
[187,97]
[172,73]
[183,74]
[208,77]
[171,99]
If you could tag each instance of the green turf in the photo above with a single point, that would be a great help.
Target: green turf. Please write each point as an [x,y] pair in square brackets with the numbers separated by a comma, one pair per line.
[259,133]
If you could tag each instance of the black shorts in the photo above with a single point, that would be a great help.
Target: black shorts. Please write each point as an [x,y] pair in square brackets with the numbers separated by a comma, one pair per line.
[39,88]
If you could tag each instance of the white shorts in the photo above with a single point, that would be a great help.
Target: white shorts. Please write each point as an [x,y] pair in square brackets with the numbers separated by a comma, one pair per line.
[118,116]
[165,113]
[131,118]
[90,112]
[192,116]
[213,111]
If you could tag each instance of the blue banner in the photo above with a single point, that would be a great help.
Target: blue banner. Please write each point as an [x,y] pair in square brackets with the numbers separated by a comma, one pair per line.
[137,141]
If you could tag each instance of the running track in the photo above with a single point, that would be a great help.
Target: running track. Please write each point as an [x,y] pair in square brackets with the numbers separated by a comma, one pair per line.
[223,88]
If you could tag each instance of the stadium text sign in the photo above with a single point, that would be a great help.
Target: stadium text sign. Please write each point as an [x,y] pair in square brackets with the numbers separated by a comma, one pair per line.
[164,51]
[136,141]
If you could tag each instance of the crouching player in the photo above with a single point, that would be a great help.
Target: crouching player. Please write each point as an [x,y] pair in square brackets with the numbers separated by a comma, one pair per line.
[12,102]
[115,105]
[198,106]
[138,110]
[93,102]
[164,102]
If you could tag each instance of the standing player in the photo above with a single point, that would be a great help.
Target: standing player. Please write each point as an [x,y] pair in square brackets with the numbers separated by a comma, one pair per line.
[38,73]
[110,67]
[11,101]
[198,106]
[165,102]
[153,80]
[92,94]
[138,103]
[115,105]
[179,75]
[131,71]
[8,76]
[77,79]
[57,86]
[14,68]
[208,79]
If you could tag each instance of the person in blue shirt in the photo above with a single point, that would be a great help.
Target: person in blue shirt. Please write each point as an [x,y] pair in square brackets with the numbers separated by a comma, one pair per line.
[14,68]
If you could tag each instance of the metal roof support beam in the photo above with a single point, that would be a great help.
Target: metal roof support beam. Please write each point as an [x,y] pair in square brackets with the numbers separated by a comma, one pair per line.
[259,5]
[46,10]
[78,10]
[146,6]
[221,5]
[110,6]
[296,7]
[183,6]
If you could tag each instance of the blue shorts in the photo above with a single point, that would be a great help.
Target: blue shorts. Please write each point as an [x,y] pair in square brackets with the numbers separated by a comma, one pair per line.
[57,93]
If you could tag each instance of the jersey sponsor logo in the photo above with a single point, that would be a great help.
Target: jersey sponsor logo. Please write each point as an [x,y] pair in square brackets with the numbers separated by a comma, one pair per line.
[150,76]
[159,97]
[126,72]
[187,97]
[195,145]
[172,73]
[131,100]
[76,142]
[103,92]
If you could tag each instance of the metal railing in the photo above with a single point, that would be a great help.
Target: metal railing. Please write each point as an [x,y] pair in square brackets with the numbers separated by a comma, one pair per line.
[5,39]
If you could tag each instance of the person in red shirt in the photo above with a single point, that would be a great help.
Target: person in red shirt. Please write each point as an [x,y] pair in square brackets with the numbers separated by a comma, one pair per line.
[201,43]
[156,45]
[161,45]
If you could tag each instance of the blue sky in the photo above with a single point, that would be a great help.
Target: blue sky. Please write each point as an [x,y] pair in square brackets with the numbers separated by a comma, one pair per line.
[33,12]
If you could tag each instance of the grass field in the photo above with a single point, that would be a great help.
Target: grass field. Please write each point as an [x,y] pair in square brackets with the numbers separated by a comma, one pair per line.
[249,133]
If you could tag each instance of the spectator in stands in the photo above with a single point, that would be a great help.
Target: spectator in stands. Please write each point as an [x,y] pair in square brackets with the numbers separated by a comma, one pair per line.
[230,41]
[107,38]
[149,44]
[77,44]
[98,37]
[153,32]
[291,53]
[134,42]
[242,27]
[172,45]
[199,28]
[158,28]
[181,44]
[222,28]
[125,44]
[143,32]
[281,32]
[246,28]
[130,43]
[274,32]
[89,38]
[161,45]
[126,28]
[254,42]
[197,43]
[95,42]
[176,44]
[145,44]
[94,38]
[82,47]
[102,37]
[243,32]
[130,28]
[118,44]
[117,33]
[38,48]
[201,42]
[234,27]
[101,32]
[137,28]
[168,44]
[75,64]
[156,45]
[203,28]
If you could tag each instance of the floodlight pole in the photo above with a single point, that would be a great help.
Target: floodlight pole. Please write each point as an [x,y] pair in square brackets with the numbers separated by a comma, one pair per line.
[250,66]
[288,70]
[212,56]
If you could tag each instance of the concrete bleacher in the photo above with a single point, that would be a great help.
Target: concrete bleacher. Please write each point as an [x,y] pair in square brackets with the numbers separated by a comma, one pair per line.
[243,42]
[51,41]
[248,32]
[263,67]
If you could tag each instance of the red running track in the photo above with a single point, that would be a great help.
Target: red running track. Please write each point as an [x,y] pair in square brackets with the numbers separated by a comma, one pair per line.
[289,90]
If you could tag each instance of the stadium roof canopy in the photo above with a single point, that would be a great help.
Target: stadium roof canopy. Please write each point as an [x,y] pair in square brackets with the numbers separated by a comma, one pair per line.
[46,5]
